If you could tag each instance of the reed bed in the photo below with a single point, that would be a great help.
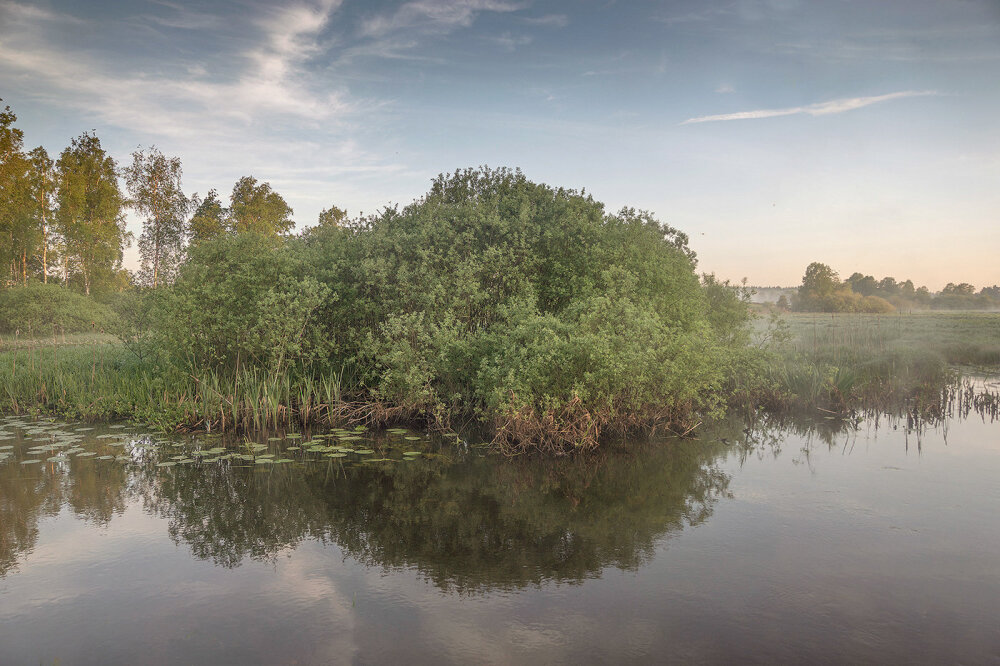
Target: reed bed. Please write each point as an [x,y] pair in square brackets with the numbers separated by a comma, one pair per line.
[840,362]
[103,382]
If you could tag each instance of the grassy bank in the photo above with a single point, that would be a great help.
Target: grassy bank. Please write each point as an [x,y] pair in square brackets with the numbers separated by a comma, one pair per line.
[11,342]
[104,381]
[834,363]
[839,362]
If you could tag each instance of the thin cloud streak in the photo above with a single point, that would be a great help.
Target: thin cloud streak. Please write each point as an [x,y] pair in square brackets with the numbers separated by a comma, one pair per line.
[434,16]
[818,109]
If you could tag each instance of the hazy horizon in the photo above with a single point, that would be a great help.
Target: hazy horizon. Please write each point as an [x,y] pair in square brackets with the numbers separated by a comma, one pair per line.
[775,133]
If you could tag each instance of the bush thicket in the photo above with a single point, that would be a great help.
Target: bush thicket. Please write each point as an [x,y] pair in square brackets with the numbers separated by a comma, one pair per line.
[44,309]
[527,306]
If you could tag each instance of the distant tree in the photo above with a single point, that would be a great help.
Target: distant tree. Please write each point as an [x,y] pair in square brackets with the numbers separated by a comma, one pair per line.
[90,210]
[210,219]
[992,293]
[154,184]
[258,208]
[863,284]
[963,289]
[783,303]
[819,284]
[888,286]
[332,217]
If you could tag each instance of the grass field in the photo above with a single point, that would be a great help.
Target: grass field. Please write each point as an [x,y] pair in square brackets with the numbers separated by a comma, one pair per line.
[9,342]
[840,361]
[957,338]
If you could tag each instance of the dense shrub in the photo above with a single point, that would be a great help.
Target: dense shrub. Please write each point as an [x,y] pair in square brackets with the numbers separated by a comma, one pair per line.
[528,305]
[524,305]
[42,309]
[242,298]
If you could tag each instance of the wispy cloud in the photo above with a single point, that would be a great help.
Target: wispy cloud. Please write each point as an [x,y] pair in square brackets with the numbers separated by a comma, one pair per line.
[512,42]
[271,82]
[818,109]
[269,114]
[183,18]
[441,16]
[725,88]
[550,20]
[16,12]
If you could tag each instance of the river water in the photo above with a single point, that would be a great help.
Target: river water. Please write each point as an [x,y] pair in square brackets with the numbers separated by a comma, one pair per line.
[871,541]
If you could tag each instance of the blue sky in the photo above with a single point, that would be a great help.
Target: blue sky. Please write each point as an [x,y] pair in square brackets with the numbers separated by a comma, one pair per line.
[775,133]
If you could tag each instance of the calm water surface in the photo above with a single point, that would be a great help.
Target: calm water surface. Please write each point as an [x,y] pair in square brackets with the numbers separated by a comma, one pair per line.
[814,543]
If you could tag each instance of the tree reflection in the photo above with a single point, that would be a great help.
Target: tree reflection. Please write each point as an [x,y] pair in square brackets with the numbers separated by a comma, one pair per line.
[28,493]
[468,524]
[465,521]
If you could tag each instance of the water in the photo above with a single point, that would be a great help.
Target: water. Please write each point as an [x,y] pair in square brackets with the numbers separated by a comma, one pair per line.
[813,543]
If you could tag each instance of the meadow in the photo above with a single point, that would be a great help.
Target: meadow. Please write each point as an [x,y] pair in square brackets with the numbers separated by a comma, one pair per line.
[843,361]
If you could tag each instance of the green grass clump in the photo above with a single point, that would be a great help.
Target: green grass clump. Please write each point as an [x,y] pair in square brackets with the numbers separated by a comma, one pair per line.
[842,361]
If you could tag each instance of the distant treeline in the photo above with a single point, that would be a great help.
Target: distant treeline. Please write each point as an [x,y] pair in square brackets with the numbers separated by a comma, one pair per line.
[62,220]
[823,291]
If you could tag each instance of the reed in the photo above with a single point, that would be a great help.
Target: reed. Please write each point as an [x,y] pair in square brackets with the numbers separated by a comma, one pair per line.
[103,382]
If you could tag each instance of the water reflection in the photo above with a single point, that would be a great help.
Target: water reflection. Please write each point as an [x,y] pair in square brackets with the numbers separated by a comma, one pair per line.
[466,521]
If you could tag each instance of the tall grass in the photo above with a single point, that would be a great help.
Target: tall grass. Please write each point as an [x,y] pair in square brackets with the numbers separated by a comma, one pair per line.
[838,362]
[833,363]
[104,382]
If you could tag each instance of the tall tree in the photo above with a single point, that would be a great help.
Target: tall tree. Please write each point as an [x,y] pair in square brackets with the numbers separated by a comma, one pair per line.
[154,185]
[210,218]
[42,189]
[256,207]
[12,172]
[90,210]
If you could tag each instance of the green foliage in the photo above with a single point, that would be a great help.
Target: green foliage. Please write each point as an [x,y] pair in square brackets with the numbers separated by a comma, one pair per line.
[44,309]
[242,299]
[524,305]
[518,301]
[154,184]
[209,220]
[822,291]
[257,208]
[90,213]
[135,321]
[863,293]
[332,217]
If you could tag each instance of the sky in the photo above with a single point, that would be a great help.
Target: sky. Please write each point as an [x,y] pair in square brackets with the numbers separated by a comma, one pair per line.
[862,134]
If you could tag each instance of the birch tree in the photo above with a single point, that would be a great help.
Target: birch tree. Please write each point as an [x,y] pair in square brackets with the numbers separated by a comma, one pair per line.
[154,185]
